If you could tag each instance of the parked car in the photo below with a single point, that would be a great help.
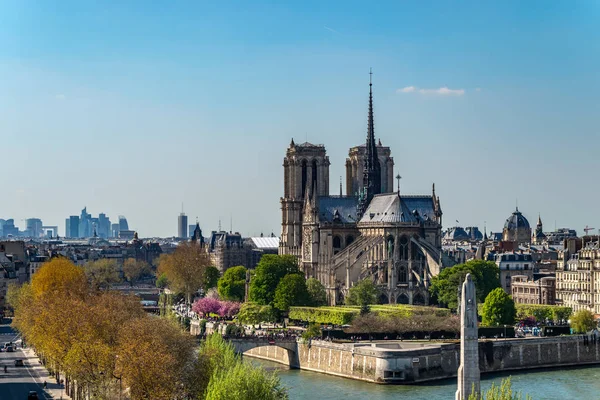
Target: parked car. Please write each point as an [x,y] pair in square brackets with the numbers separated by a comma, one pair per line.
[19,363]
[33,395]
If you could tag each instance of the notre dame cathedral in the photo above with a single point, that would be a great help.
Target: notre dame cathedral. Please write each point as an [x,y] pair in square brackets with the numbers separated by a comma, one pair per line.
[372,232]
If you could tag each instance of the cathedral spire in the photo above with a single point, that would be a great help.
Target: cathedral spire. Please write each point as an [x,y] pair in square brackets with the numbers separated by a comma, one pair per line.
[372,169]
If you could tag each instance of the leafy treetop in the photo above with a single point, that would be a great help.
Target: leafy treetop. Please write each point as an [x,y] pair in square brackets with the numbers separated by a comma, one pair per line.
[445,286]
[498,309]
[269,271]
[232,285]
[362,294]
[291,291]
[316,291]
[583,321]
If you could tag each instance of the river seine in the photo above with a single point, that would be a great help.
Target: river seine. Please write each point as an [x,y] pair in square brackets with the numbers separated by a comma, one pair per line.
[566,384]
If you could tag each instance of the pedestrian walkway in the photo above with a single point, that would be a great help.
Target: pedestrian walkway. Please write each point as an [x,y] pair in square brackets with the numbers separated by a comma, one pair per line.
[40,375]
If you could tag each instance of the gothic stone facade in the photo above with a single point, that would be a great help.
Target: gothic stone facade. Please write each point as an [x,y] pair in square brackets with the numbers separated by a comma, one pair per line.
[370,233]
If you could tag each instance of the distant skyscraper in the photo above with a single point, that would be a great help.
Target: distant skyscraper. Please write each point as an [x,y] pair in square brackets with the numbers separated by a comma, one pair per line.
[73,227]
[85,224]
[182,226]
[103,230]
[9,228]
[123,225]
[114,230]
[33,227]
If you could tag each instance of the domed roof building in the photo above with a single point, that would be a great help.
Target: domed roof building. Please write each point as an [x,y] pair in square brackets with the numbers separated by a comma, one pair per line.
[455,234]
[517,229]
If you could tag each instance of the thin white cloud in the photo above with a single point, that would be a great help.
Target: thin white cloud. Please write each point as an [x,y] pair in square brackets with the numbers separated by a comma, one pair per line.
[330,29]
[408,89]
[60,97]
[443,91]
[478,89]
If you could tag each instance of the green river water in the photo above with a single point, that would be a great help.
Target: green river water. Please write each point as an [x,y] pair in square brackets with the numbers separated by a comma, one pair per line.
[572,383]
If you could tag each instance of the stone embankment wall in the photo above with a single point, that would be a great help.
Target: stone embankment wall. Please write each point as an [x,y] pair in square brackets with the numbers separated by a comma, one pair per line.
[326,357]
[410,362]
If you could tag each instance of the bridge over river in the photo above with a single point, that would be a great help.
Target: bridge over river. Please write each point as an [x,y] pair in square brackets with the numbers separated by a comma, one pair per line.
[289,345]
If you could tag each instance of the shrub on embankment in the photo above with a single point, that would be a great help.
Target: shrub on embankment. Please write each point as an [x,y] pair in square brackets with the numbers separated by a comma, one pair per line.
[344,315]
[542,312]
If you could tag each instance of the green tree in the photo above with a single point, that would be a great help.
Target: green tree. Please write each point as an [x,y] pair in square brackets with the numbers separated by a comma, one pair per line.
[583,321]
[498,309]
[102,273]
[316,291]
[291,291]
[222,375]
[245,382]
[269,271]
[502,392]
[211,278]
[232,285]
[162,281]
[362,294]
[444,287]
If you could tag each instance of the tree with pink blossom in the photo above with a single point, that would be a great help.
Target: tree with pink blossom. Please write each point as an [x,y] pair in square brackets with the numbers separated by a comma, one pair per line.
[206,306]
[229,308]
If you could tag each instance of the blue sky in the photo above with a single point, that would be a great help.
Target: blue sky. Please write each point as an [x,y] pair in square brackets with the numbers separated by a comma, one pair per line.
[135,107]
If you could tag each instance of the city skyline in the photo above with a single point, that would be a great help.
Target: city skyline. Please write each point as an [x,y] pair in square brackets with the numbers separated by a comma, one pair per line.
[197,104]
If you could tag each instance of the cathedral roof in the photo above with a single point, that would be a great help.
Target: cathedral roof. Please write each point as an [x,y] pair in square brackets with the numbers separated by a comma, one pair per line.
[390,207]
[340,209]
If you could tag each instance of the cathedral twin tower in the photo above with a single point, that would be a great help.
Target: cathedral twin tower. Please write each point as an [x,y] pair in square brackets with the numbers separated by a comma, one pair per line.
[306,171]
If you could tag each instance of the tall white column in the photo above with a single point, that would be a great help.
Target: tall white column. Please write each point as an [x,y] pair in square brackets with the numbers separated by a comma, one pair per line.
[468,372]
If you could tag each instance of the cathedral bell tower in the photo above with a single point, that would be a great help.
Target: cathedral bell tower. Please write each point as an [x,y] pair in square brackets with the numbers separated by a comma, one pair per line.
[306,167]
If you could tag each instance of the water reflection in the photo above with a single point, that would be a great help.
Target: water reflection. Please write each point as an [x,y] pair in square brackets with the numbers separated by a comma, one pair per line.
[571,383]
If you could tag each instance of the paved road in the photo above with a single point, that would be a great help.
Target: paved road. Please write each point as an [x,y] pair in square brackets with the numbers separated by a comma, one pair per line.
[17,383]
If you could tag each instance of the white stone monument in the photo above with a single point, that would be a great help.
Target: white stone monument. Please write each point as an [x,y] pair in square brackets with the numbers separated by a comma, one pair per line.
[468,371]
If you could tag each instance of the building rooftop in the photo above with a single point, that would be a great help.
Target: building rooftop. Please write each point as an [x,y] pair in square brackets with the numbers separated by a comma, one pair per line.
[265,242]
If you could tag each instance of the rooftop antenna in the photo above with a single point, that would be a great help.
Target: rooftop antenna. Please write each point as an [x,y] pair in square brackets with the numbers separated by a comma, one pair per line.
[398,177]
[219,224]
[341,186]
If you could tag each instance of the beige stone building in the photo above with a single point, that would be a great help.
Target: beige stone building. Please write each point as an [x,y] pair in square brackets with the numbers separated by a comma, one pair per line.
[513,264]
[370,233]
[524,290]
[578,276]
